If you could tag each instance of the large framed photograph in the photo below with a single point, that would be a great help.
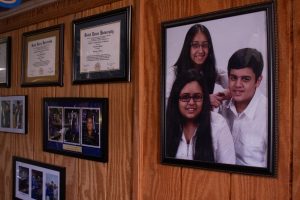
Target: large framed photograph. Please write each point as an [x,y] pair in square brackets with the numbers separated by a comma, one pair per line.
[76,127]
[36,180]
[42,59]
[13,116]
[5,61]
[101,49]
[219,77]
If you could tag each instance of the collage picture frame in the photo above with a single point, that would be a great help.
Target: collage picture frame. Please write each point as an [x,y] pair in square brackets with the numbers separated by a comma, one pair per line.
[13,116]
[76,127]
[36,180]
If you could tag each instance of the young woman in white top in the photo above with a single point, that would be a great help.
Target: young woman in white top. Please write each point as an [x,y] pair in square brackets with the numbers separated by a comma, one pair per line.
[193,132]
[198,53]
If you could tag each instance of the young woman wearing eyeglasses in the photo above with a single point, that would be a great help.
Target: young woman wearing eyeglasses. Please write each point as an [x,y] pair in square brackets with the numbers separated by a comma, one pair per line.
[193,132]
[198,53]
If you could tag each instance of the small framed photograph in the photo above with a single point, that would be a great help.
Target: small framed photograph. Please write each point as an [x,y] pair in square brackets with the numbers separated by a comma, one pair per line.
[101,49]
[35,180]
[76,127]
[13,116]
[219,77]
[42,59]
[5,61]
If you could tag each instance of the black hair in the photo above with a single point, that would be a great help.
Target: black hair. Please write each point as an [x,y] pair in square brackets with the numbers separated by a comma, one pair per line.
[185,62]
[175,121]
[247,58]
[89,116]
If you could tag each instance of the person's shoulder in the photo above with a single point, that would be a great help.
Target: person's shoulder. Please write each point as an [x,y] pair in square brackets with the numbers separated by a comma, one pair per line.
[217,118]
[262,97]
[219,125]
[224,107]
[261,100]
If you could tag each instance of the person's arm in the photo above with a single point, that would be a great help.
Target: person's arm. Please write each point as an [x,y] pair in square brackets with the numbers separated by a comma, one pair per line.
[218,97]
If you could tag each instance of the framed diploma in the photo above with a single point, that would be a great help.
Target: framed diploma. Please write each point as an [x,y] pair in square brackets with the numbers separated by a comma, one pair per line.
[101,49]
[5,58]
[42,61]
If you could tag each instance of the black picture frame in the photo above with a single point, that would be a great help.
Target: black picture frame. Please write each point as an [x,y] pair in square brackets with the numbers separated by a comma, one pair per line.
[5,61]
[13,117]
[101,47]
[43,57]
[228,32]
[36,180]
[66,123]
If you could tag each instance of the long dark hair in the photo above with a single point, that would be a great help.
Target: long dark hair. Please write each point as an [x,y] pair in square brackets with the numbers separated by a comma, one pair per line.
[185,62]
[175,121]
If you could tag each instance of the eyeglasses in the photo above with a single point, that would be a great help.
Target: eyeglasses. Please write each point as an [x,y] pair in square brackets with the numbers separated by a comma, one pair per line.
[197,97]
[197,45]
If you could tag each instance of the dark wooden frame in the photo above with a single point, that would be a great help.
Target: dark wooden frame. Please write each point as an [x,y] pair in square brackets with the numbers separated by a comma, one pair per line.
[272,93]
[7,42]
[122,74]
[44,169]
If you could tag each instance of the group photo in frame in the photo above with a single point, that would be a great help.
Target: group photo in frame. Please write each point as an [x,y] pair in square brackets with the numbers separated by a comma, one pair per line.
[5,61]
[76,127]
[219,76]
[101,48]
[43,57]
[13,116]
[36,180]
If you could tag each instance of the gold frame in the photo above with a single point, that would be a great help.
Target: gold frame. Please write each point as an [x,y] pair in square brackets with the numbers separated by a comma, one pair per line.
[56,79]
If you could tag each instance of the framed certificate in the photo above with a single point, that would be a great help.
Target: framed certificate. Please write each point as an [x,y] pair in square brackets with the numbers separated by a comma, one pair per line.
[42,60]
[101,48]
[5,58]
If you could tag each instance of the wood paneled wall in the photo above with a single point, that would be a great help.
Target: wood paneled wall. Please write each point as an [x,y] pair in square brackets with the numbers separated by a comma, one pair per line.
[84,179]
[158,181]
[134,170]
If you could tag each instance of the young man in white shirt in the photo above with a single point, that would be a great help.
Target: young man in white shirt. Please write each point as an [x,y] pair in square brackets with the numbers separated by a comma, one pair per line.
[246,111]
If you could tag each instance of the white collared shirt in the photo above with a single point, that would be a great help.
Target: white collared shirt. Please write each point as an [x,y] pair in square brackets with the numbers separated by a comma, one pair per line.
[249,130]
[223,146]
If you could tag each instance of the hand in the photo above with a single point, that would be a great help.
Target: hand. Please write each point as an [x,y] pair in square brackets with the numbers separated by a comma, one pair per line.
[226,94]
[215,100]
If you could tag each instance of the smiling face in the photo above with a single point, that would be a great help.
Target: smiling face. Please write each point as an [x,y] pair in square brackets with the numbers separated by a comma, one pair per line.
[89,125]
[199,48]
[190,108]
[242,86]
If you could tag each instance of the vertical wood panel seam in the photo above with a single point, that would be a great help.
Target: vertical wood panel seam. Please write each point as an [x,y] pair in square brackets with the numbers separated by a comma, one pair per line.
[138,99]
[230,185]
[292,39]
[181,188]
